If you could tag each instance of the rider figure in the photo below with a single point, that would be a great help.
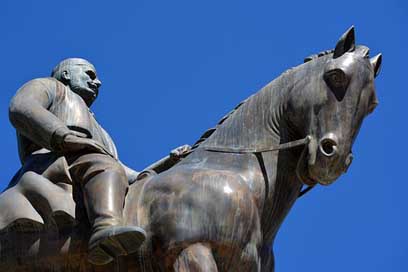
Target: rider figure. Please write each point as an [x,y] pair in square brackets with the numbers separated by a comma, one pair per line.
[53,121]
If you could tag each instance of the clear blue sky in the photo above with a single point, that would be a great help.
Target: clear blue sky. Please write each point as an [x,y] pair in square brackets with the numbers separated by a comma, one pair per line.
[171,69]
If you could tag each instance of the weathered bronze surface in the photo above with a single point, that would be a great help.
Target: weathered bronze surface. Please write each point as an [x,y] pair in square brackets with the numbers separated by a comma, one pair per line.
[219,208]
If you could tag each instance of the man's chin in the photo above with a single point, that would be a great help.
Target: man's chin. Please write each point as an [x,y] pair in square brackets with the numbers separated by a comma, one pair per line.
[87,94]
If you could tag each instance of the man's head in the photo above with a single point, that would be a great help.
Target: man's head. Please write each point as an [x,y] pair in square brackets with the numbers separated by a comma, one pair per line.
[80,75]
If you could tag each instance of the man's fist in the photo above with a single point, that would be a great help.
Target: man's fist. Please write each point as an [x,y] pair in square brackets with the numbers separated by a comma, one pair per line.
[66,141]
[180,151]
[72,143]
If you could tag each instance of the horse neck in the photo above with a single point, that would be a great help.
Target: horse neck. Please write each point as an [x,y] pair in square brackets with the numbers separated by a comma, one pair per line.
[283,188]
[261,123]
[258,123]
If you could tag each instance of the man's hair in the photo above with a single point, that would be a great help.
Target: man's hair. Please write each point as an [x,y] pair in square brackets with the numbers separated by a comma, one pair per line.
[64,66]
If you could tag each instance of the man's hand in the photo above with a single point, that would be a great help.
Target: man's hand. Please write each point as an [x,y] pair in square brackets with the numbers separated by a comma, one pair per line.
[73,143]
[178,152]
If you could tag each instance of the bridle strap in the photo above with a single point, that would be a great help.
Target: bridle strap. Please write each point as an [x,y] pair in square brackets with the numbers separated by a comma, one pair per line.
[261,150]
[283,146]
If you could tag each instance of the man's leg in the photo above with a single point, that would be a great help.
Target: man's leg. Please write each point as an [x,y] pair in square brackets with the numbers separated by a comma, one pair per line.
[104,184]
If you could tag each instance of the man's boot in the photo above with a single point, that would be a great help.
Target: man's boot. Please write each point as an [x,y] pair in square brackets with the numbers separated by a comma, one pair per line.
[104,196]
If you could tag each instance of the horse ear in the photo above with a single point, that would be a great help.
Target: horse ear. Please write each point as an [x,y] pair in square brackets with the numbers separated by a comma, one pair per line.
[345,44]
[376,63]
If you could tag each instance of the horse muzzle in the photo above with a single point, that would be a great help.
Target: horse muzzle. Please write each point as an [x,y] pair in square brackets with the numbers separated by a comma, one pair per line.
[321,161]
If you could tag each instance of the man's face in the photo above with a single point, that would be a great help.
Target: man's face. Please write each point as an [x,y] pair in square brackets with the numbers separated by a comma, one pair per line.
[84,81]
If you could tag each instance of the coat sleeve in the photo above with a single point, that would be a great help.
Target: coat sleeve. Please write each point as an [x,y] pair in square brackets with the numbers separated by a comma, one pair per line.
[30,116]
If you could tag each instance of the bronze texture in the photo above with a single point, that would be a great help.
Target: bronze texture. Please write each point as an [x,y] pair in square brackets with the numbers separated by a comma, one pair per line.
[217,209]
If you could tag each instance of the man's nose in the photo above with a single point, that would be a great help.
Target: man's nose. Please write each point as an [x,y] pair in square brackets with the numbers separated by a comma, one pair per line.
[97,82]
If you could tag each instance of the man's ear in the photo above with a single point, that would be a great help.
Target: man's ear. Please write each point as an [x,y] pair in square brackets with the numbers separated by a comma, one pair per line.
[65,76]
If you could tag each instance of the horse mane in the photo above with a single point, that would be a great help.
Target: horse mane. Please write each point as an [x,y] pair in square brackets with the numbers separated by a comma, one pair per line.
[318,55]
[210,131]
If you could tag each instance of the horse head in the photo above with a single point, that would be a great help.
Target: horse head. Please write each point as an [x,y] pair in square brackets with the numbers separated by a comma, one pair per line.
[331,96]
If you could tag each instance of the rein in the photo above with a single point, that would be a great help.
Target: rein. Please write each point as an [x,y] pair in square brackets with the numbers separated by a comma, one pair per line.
[255,151]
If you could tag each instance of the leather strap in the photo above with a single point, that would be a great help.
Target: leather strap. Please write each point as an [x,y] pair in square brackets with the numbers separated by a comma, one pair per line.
[261,150]
[287,145]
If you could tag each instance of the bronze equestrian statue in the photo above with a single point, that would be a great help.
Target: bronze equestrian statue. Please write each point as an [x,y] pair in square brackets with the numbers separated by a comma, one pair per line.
[217,209]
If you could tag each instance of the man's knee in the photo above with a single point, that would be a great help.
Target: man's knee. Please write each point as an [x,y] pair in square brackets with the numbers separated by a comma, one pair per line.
[88,166]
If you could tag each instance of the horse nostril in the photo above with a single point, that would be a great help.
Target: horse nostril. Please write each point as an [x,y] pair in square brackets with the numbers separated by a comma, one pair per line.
[348,161]
[328,147]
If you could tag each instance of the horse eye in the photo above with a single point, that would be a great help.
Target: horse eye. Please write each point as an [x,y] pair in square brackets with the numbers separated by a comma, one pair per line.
[337,81]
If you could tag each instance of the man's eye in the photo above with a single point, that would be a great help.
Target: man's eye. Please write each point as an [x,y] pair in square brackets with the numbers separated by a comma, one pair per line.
[337,81]
[91,74]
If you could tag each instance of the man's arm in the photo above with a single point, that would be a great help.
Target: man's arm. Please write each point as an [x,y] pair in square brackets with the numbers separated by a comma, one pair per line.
[160,165]
[169,161]
[29,115]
